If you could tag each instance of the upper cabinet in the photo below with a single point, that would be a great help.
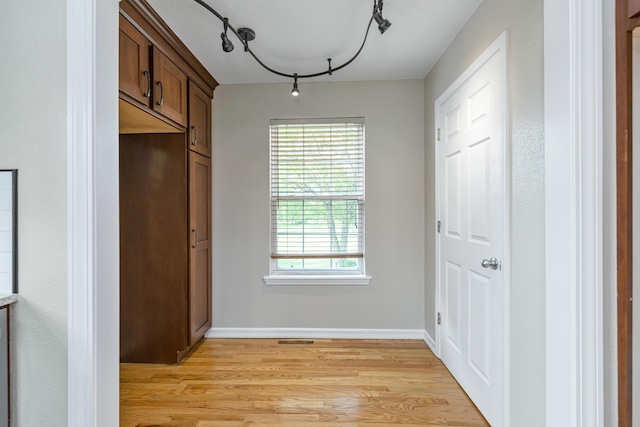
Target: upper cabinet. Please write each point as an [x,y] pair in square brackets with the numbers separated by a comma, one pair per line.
[135,72]
[163,87]
[170,88]
[199,121]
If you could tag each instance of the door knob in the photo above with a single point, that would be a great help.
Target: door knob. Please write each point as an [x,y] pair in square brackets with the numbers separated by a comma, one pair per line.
[491,263]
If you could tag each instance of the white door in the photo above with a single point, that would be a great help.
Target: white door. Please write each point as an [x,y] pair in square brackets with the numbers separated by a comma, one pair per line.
[471,118]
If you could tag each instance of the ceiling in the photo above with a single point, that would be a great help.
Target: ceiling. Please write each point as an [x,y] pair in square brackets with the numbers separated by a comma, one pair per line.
[297,36]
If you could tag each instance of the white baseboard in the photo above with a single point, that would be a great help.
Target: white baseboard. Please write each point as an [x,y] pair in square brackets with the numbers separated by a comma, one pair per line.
[317,333]
[430,341]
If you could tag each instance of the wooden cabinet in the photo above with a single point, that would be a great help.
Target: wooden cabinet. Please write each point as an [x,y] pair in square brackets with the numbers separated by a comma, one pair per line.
[165,191]
[200,252]
[165,248]
[154,303]
[162,87]
[134,67]
[199,120]
[170,88]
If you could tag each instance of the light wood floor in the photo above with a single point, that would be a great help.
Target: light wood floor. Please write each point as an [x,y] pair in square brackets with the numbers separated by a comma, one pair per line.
[258,382]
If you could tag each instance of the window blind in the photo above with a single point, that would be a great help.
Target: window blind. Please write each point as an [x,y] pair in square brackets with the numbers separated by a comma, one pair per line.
[317,189]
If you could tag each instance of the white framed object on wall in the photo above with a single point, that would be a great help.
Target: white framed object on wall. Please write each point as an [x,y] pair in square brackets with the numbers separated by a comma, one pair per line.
[8,231]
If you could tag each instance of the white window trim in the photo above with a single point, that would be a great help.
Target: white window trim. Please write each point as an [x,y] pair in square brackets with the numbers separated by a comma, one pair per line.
[317,280]
[278,277]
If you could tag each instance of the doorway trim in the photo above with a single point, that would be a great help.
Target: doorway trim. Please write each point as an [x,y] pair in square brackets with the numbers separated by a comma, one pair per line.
[626,19]
[500,44]
[92,213]
[574,212]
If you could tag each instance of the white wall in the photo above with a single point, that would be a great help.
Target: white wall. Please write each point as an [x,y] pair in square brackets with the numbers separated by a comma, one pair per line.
[33,139]
[394,126]
[610,327]
[523,19]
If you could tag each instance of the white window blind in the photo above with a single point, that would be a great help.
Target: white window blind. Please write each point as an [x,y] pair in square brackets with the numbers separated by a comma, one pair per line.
[317,194]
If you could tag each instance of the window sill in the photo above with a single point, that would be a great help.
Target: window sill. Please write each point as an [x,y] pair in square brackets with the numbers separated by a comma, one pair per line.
[302,280]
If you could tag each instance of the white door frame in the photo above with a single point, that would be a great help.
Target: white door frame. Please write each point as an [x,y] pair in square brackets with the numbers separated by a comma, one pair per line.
[574,212]
[92,212]
[500,43]
[565,71]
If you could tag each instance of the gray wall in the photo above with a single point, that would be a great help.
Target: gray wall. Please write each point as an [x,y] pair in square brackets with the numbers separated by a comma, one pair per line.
[523,19]
[395,195]
[33,139]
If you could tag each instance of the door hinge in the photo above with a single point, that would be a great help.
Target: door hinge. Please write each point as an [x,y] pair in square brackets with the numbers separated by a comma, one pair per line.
[439,319]
[438,134]
[439,225]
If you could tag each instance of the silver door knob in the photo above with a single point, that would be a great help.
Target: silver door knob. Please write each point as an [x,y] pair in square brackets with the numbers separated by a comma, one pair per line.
[492,263]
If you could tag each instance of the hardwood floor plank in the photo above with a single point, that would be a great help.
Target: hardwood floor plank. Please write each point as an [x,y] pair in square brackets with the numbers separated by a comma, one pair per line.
[258,382]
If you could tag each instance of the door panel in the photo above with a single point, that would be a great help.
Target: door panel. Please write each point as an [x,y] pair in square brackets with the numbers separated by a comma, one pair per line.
[153,248]
[452,121]
[199,120]
[479,187]
[479,105]
[453,305]
[479,309]
[452,184]
[134,65]
[200,252]
[169,89]
[471,165]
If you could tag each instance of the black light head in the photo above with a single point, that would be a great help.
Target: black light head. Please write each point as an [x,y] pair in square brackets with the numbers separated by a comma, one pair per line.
[383,24]
[227,46]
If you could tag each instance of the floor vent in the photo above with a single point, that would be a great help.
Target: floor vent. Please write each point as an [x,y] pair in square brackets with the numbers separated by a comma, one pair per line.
[295,342]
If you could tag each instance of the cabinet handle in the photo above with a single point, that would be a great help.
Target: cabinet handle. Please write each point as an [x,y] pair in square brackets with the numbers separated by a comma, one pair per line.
[195,242]
[194,141]
[161,94]
[148,93]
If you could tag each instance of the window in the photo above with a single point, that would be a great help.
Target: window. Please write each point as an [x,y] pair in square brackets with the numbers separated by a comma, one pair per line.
[317,197]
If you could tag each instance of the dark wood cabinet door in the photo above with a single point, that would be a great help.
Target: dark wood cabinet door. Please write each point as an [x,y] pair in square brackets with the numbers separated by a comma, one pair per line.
[169,88]
[199,120]
[134,67]
[200,252]
[154,254]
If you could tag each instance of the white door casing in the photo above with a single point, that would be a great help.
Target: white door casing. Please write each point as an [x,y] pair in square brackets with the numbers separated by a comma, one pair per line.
[579,85]
[472,207]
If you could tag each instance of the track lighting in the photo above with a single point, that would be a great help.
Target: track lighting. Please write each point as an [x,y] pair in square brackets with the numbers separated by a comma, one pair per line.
[245,35]
[383,24]
[227,46]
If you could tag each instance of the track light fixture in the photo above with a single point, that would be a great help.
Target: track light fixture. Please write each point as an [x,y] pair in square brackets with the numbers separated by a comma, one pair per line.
[227,46]
[245,35]
[383,24]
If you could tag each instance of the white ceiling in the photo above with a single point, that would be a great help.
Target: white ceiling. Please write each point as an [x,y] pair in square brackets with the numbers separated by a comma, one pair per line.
[297,36]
